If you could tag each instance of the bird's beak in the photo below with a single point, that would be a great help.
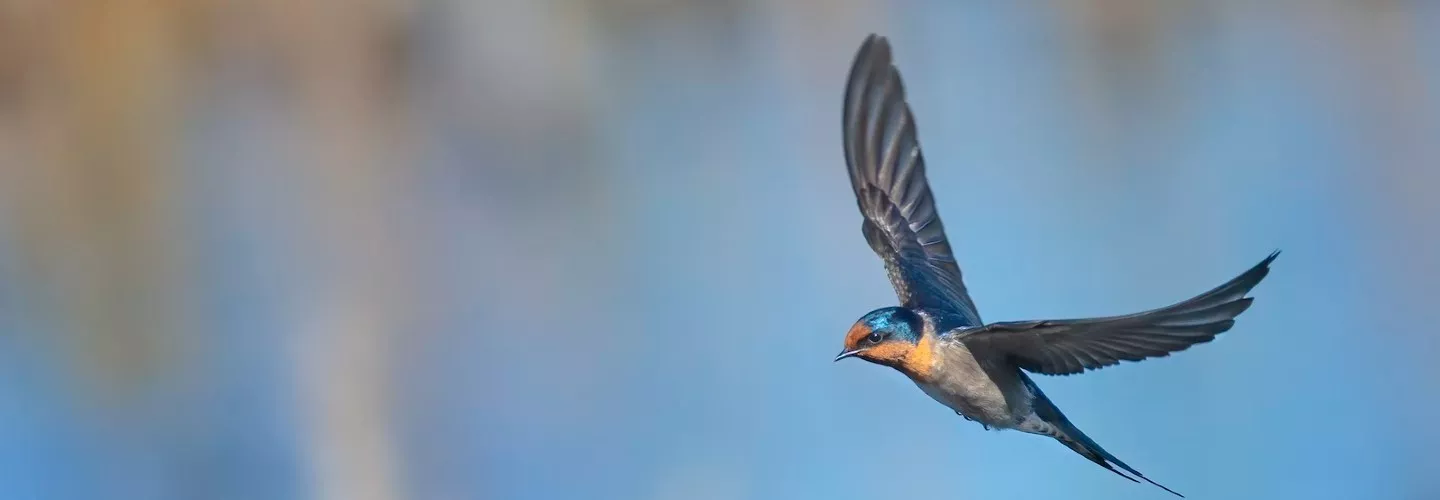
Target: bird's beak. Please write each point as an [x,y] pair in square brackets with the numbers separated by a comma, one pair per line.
[846,354]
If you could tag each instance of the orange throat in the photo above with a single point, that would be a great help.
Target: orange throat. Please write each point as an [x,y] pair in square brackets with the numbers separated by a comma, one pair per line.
[920,360]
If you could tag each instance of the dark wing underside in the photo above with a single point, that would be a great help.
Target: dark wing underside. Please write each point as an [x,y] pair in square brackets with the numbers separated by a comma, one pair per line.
[1064,347]
[888,174]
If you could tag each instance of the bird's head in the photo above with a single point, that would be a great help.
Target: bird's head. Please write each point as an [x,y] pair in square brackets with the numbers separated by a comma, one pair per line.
[884,336]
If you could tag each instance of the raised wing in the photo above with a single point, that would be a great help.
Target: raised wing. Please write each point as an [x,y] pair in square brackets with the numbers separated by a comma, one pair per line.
[1065,347]
[888,174]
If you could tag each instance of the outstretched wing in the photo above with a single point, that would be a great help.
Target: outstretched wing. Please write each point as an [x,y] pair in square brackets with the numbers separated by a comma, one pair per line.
[888,174]
[1065,347]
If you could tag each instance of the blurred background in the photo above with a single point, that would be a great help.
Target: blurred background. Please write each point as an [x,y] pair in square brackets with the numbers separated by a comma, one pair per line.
[530,249]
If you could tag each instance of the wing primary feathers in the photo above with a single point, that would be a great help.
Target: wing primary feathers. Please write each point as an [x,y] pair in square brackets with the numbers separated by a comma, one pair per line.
[887,174]
[1066,347]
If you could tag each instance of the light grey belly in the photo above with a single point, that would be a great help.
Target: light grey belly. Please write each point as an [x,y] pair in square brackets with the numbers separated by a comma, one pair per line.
[961,383]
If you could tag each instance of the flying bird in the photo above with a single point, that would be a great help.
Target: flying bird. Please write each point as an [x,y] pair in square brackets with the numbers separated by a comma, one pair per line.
[936,337]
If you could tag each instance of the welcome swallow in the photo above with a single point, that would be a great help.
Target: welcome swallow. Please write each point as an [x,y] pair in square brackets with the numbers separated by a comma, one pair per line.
[936,337]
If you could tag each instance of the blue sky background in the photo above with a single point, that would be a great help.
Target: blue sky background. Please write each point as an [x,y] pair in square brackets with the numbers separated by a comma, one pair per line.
[570,249]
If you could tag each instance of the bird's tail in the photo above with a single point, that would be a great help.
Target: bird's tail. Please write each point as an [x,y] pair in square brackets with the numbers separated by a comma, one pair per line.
[1062,430]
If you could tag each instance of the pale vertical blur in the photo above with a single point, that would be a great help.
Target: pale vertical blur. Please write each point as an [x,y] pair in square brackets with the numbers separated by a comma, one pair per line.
[445,249]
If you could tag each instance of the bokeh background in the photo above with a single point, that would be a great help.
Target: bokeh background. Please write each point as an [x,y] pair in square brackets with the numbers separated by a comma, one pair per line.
[532,249]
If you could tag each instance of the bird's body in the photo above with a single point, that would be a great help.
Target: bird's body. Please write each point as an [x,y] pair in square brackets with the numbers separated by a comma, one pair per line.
[980,388]
[936,338]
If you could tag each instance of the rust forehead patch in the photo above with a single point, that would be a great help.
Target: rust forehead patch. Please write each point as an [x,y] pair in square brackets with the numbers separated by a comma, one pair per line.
[857,332]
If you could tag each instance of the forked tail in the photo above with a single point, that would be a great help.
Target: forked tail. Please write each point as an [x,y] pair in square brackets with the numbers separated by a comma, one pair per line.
[1062,430]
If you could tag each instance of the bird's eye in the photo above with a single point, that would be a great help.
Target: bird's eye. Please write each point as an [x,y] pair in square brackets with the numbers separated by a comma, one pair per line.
[875,337]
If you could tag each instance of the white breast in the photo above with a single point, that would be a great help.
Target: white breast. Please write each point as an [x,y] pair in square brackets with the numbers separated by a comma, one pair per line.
[961,383]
